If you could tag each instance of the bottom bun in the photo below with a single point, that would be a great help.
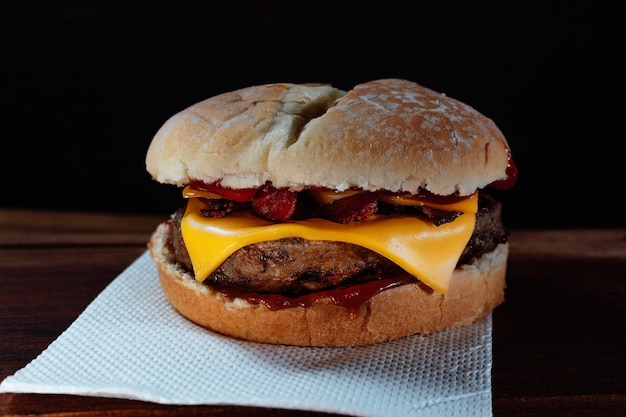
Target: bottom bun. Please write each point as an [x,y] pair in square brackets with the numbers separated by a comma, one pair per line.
[475,290]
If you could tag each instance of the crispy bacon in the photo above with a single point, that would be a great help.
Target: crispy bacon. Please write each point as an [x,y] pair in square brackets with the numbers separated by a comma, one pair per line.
[279,204]
[439,217]
[351,209]
[217,208]
[274,204]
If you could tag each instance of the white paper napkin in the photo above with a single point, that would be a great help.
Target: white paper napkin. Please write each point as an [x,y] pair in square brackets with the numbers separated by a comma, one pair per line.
[130,343]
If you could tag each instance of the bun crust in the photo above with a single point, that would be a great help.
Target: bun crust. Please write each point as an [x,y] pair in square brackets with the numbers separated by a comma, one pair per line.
[388,134]
[409,309]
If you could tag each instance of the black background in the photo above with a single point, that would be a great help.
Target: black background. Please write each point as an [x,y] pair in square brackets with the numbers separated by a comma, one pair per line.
[85,85]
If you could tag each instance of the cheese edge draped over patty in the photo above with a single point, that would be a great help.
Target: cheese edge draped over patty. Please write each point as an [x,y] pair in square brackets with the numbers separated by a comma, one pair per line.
[424,250]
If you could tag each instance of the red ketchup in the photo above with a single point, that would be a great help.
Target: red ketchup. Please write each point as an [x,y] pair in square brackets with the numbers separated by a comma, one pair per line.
[511,175]
[351,297]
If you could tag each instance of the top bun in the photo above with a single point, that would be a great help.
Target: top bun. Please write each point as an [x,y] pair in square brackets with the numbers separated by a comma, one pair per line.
[388,134]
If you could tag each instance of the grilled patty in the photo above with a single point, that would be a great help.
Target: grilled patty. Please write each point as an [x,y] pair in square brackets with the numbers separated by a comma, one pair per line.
[295,266]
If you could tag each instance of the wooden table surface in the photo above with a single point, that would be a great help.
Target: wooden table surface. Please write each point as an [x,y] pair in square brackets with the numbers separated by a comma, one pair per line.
[559,340]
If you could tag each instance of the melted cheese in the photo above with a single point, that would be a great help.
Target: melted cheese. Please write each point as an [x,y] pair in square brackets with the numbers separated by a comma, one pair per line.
[424,250]
[466,205]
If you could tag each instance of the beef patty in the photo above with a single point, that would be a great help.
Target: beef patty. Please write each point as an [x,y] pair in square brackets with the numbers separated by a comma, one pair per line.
[296,266]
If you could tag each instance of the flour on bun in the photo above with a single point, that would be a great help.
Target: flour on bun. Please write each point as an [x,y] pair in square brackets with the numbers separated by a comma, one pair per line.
[314,216]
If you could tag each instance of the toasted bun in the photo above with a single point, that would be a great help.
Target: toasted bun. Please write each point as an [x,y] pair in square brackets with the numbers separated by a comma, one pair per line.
[387,134]
[475,291]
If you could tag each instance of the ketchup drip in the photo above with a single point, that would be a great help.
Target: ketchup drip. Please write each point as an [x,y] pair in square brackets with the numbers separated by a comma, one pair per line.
[511,175]
[351,297]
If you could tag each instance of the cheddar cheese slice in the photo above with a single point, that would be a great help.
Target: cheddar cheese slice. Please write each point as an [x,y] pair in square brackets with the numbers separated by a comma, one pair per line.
[424,250]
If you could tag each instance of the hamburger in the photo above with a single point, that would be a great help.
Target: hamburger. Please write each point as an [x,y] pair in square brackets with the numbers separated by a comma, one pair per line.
[314,216]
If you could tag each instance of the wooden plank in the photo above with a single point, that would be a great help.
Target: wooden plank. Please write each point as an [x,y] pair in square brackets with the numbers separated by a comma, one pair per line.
[12,221]
[577,243]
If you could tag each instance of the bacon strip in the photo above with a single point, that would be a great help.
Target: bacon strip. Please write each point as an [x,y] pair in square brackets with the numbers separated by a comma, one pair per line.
[351,209]
[274,204]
